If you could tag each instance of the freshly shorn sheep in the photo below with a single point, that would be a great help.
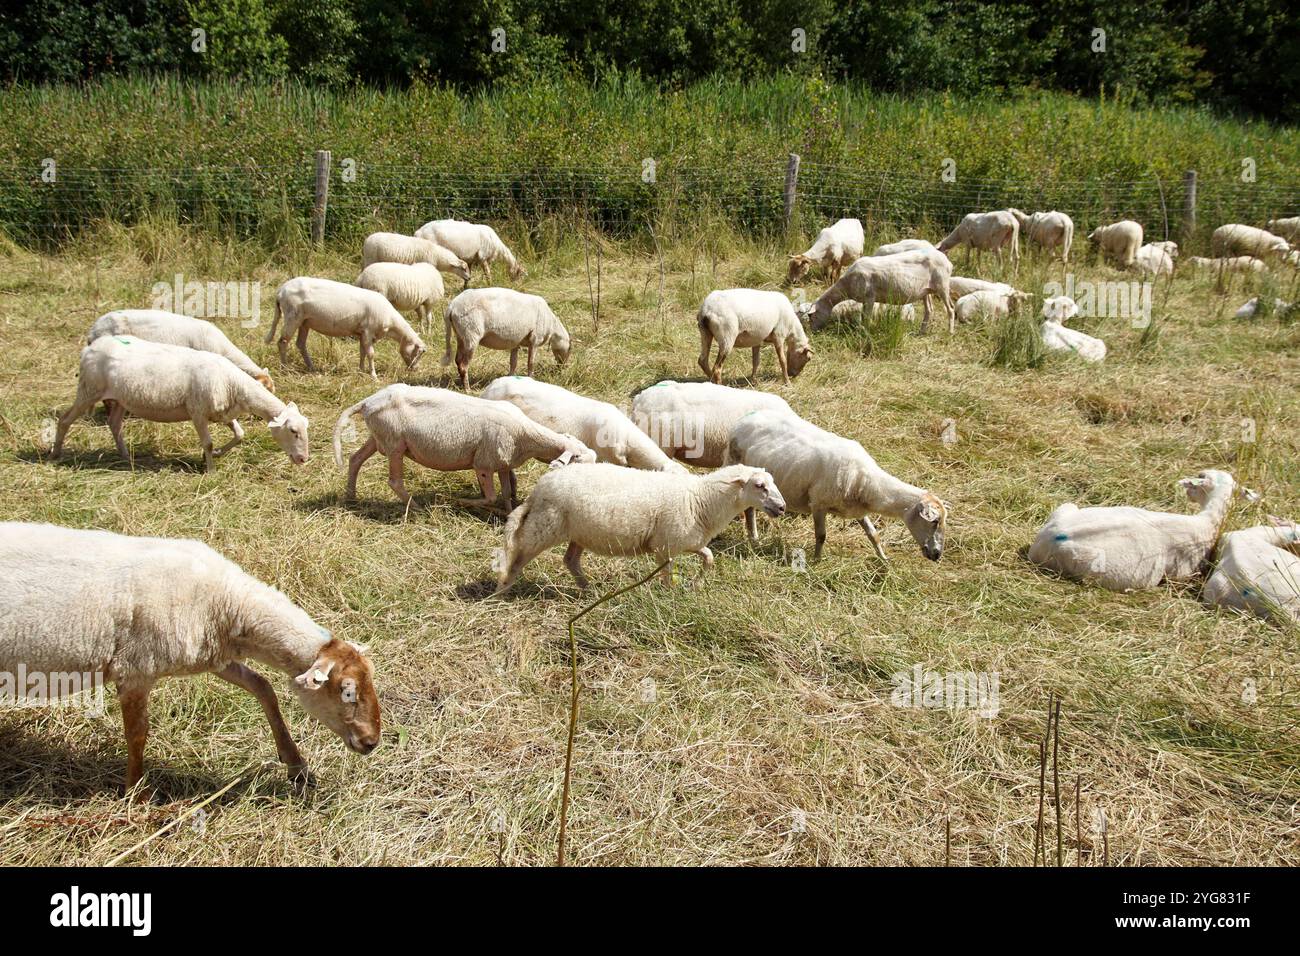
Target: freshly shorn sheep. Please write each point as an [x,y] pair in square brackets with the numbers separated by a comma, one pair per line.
[821,473]
[447,431]
[598,425]
[986,231]
[131,611]
[751,318]
[622,512]
[1050,231]
[169,328]
[395,247]
[692,421]
[987,303]
[1252,307]
[1235,239]
[1286,228]
[1153,260]
[959,286]
[903,245]
[1258,571]
[1168,245]
[837,246]
[502,319]
[171,383]
[476,244]
[342,311]
[415,287]
[1228,266]
[1118,242]
[1057,338]
[892,280]
[1124,548]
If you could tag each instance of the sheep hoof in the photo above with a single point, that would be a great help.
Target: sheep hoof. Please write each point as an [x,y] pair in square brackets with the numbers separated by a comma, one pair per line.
[302,778]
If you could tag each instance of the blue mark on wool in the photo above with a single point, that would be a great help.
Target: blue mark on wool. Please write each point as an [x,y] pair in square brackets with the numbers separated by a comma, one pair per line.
[1062,537]
[1245,592]
[324,630]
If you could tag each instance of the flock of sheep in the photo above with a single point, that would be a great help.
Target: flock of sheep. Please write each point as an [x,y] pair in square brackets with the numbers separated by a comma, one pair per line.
[139,609]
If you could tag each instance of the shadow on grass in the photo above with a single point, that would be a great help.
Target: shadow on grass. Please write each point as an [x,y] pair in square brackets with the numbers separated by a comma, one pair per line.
[392,511]
[110,461]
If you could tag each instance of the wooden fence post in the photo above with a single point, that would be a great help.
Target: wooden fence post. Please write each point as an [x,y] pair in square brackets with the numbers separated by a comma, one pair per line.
[1189,206]
[322,196]
[791,185]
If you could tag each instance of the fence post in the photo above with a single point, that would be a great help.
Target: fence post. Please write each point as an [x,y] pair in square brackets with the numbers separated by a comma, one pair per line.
[1189,205]
[322,196]
[791,184]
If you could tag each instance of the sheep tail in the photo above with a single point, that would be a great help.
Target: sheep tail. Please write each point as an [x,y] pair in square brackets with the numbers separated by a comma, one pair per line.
[270,335]
[338,432]
[446,329]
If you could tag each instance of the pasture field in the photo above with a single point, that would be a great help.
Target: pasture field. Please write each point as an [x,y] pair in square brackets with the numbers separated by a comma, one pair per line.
[747,721]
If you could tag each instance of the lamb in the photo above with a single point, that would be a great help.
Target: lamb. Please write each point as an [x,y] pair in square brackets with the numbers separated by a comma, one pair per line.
[1254,306]
[1258,571]
[447,431]
[406,287]
[621,512]
[820,473]
[598,425]
[987,303]
[692,421]
[903,245]
[1118,242]
[1058,338]
[476,244]
[395,247]
[171,383]
[986,231]
[1152,259]
[1235,239]
[1124,548]
[837,246]
[170,328]
[1047,230]
[893,280]
[133,610]
[1286,228]
[959,286]
[343,311]
[502,319]
[749,318]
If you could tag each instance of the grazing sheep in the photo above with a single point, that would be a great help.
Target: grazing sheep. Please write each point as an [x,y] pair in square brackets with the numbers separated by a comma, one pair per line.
[447,431]
[990,231]
[892,280]
[169,328]
[476,244]
[820,473]
[1286,228]
[1153,260]
[692,421]
[502,319]
[749,318]
[598,425]
[342,311]
[837,246]
[903,245]
[1118,242]
[959,286]
[1123,548]
[1047,230]
[1235,239]
[1252,308]
[133,610]
[171,383]
[395,247]
[1169,247]
[622,512]
[987,303]
[1057,338]
[1258,571]
[406,287]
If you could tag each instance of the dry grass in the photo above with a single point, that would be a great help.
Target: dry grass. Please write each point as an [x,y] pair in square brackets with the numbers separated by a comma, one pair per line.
[772,688]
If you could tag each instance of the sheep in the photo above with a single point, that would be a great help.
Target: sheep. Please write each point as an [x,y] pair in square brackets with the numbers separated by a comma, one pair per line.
[987,303]
[903,245]
[447,431]
[170,328]
[171,383]
[598,425]
[821,473]
[1118,242]
[1169,247]
[986,231]
[476,244]
[395,247]
[406,287]
[1225,268]
[1047,230]
[621,512]
[1153,260]
[893,280]
[1125,548]
[502,319]
[837,246]
[1286,228]
[1258,571]
[1235,239]
[692,421]
[959,286]
[133,610]
[749,318]
[1253,308]
[343,311]
[1057,338]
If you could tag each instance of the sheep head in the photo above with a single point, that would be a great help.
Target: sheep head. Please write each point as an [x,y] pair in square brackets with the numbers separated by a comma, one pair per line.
[797,357]
[758,490]
[1206,485]
[338,690]
[926,520]
[411,351]
[289,429]
[799,266]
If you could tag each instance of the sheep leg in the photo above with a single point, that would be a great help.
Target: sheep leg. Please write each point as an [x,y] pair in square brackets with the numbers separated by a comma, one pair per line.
[780,361]
[485,485]
[873,536]
[573,561]
[706,563]
[706,343]
[753,372]
[396,461]
[463,355]
[368,355]
[238,432]
[135,722]
[205,439]
[302,348]
[115,417]
[257,685]
[819,533]
[751,524]
[532,351]
[509,486]
[724,349]
[514,361]
[80,406]
[354,466]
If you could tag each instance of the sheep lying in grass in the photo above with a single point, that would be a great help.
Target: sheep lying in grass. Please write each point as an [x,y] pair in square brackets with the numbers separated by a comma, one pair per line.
[1118,242]
[502,319]
[598,425]
[692,421]
[837,246]
[1235,239]
[1256,305]
[988,304]
[820,473]
[986,231]
[395,247]
[1258,571]
[171,383]
[959,286]
[475,243]
[1288,228]
[447,431]
[621,512]
[1050,231]
[169,328]
[751,318]
[891,280]
[903,245]
[1124,549]
[1225,268]
[135,610]
[415,287]
[1057,338]
[1153,260]
[342,311]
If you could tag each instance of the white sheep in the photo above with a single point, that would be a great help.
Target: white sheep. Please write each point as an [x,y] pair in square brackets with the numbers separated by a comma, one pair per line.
[903,245]
[837,246]
[1118,242]
[1047,230]
[959,286]
[692,421]
[170,328]
[1225,268]
[598,425]
[1125,548]
[395,247]
[171,383]
[1234,239]
[988,304]
[623,512]
[1057,338]
[821,473]
[892,280]
[751,318]
[1258,571]
[447,431]
[415,287]
[986,231]
[476,244]
[502,319]
[1153,260]
[1252,307]
[342,311]
[134,610]
[1288,228]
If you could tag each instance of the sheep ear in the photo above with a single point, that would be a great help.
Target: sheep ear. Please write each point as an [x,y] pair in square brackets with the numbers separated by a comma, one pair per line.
[314,678]
[279,420]
[292,407]
[1248,494]
[360,648]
